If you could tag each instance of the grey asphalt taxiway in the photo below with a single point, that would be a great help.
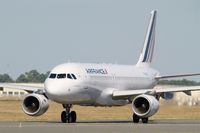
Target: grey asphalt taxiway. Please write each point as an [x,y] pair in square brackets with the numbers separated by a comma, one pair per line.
[154,126]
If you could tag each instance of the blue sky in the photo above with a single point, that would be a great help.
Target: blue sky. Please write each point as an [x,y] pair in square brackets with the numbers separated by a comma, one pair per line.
[40,34]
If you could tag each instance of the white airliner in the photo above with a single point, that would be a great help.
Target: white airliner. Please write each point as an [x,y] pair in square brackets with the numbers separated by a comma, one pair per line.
[103,85]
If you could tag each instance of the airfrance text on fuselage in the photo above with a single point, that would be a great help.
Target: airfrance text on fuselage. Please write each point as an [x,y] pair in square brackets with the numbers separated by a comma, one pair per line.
[96,71]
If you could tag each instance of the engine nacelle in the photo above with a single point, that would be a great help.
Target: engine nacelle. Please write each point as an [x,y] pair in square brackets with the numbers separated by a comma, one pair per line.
[145,105]
[35,104]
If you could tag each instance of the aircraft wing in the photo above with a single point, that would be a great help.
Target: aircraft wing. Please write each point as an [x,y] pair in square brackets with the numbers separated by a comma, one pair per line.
[127,94]
[176,76]
[29,89]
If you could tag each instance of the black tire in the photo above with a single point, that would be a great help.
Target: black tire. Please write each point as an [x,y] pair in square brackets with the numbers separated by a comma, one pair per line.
[73,116]
[136,118]
[145,120]
[64,117]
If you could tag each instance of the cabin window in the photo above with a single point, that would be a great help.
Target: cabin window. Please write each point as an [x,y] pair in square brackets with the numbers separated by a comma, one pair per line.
[61,76]
[52,76]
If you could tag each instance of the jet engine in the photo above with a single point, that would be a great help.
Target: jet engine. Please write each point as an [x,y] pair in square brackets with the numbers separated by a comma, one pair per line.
[145,105]
[35,104]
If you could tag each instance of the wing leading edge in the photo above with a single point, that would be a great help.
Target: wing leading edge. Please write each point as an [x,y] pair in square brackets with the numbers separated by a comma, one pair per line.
[125,94]
[29,89]
[176,76]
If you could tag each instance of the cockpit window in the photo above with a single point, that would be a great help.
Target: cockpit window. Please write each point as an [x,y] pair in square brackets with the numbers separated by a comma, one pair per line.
[69,76]
[61,76]
[74,76]
[52,76]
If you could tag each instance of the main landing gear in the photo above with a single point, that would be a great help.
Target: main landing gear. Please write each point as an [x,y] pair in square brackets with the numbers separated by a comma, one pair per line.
[136,119]
[67,116]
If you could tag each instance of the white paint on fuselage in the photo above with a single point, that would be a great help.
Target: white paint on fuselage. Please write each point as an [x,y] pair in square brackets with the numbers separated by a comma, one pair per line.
[96,82]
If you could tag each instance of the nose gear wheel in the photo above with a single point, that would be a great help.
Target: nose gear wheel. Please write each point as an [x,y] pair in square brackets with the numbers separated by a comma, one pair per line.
[68,116]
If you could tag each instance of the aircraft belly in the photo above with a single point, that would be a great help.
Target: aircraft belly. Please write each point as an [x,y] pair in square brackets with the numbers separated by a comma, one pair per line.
[78,96]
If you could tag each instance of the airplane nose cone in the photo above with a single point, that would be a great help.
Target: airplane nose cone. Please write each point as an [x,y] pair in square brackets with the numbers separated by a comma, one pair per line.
[52,90]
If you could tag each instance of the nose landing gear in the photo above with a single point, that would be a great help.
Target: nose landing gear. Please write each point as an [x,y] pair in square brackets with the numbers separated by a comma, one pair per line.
[67,116]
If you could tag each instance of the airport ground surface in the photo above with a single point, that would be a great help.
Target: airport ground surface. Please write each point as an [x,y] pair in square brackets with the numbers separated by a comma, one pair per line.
[170,119]
[154,126]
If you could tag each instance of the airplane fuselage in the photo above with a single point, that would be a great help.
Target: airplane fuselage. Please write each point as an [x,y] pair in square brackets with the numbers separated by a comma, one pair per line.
[93,84]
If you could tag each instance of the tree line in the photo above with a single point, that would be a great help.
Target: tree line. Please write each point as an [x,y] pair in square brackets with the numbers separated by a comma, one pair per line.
[34,76]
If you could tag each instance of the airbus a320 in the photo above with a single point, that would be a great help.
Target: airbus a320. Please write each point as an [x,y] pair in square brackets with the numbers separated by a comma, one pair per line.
[102,85]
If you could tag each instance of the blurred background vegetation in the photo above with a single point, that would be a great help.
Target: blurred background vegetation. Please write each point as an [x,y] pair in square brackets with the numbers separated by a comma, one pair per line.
[33,76]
